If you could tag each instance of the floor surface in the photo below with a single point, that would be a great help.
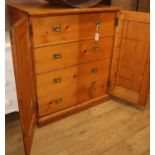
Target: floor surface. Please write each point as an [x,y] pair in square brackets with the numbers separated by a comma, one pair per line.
[111,128]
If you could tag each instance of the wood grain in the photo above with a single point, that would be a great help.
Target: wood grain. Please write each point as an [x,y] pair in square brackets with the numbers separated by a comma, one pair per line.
[71,81]
[42,121]
[82,130]
[40,9]
[71,77]
[130,59]
[72,27]
[70,97]
[24,82]
[71,54]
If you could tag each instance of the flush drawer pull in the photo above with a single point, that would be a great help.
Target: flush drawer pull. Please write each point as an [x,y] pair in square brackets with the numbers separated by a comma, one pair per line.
[57,101]
[94,70]
[57,55]
[57,80]
[92,90]
[96,48]
[56,28]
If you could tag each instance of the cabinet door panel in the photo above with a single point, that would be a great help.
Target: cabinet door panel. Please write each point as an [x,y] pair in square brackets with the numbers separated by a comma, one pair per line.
[130,64]
[24,80]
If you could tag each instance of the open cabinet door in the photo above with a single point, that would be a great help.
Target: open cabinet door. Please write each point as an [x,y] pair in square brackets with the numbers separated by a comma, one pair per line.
[130,68]
[21,53]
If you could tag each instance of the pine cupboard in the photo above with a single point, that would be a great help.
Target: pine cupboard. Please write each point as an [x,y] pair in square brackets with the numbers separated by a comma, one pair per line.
[66,59]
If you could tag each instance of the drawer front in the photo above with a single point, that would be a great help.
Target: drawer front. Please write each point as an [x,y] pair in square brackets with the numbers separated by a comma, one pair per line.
[67,28]
[59,56]
[56,81]
[70,97]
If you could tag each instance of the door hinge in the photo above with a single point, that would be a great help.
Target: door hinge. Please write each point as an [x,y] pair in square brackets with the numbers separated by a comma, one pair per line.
[109,83]
[116,21]
[30,30]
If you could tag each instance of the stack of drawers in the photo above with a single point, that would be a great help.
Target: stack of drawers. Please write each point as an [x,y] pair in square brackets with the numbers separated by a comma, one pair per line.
[70,66]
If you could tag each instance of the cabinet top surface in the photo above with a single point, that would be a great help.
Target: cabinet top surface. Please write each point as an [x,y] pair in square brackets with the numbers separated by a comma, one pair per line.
[45,8]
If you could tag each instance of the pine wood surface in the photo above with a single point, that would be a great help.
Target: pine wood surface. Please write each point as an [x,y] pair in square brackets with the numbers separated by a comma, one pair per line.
[71,27]
[21,53]
[70,77]
[130,64]
[131,81]
[46,9]
[76,95]
[101,130]
[71,54]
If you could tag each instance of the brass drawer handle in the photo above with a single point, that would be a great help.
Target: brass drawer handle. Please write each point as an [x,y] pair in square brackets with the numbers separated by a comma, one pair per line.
[57,101]
[57,55]
[57,80]
[96,48]
[56,28]
[92,90]
[94,70]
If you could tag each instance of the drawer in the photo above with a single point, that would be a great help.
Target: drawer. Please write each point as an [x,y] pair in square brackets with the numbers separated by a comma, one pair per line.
[64,55]
[68,28]
[70,97]
[56,81]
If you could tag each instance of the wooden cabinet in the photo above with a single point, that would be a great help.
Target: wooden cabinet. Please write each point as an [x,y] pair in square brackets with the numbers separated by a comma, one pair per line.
[66,59]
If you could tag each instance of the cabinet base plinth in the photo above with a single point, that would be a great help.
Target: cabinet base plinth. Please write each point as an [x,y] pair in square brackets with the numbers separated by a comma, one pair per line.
[74,109]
